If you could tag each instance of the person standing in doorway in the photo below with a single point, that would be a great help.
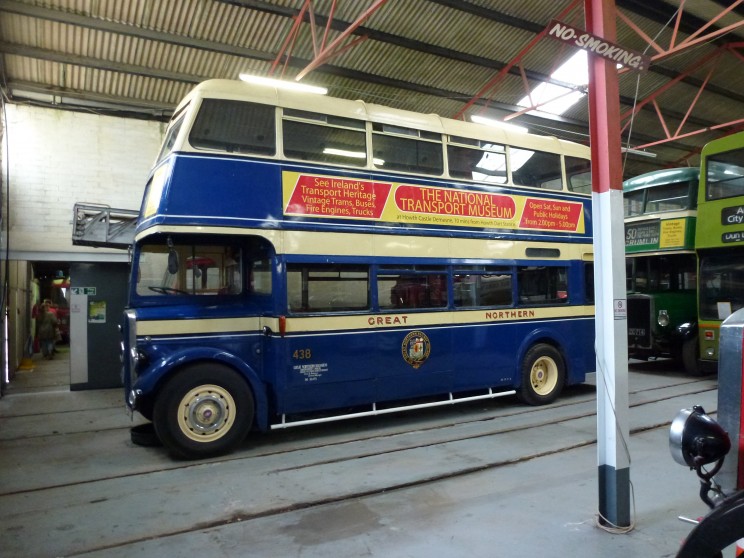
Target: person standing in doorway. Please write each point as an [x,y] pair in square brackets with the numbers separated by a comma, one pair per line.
[47,330]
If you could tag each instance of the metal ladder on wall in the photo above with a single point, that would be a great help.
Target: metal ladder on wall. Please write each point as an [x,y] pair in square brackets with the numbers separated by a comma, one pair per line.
[102,226]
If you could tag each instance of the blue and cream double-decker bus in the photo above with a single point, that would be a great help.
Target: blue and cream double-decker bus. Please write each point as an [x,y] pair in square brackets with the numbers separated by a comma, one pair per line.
[300,259]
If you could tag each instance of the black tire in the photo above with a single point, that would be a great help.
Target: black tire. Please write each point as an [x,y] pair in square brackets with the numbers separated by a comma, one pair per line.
[690,356]
[144,435]
[204,410]
[543,375]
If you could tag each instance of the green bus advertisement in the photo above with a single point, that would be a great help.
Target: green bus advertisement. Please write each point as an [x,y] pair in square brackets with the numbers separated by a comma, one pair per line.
[660,221]
[719,240]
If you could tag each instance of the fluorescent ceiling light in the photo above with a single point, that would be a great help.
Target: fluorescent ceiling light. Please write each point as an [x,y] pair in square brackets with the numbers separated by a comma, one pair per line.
[345,153]
[641,152]
[281,84]
[497,124]
[351,154]
[557,99]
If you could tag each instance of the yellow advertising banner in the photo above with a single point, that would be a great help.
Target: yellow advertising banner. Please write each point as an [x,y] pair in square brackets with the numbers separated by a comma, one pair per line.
[310,195]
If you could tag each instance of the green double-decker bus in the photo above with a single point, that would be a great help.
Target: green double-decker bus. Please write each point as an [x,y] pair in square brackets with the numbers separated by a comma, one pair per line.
[719,240]
[660,224]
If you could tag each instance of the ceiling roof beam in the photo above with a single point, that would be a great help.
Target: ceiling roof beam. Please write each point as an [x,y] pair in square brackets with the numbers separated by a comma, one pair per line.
[127,30]
[693,39]
[50,96]
[335,48]
[212,46]
[97,63]
[663,13]
[732,123]
[537,121]
[491,84]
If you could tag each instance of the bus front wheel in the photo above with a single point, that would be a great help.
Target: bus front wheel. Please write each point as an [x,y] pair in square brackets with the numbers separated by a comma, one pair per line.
[204,410]
[543,374]
[690,356]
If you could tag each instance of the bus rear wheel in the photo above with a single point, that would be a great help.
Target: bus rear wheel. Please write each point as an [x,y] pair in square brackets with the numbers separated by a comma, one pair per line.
[204,410]
[543,375]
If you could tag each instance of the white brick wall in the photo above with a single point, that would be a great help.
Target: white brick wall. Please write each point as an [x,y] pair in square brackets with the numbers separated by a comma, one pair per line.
[57,158]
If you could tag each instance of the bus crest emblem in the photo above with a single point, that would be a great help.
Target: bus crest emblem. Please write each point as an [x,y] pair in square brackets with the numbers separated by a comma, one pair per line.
[416,348]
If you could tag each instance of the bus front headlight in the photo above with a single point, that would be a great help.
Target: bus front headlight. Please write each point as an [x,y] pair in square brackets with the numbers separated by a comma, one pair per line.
[663,318]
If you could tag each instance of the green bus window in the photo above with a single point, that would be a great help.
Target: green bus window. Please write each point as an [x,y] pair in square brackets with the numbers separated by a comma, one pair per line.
[633,203]
[327,288]
[668,198]
[235,127]
[721,287]
[725,175]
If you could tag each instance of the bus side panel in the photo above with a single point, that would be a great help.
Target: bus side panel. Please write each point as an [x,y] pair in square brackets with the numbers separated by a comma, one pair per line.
[214,184]
[484,356]
[413,362]
[316,372]
[578,347]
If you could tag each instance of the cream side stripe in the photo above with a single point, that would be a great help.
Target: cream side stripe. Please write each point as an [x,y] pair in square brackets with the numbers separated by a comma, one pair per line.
[415,320]
[361,321]
[388,245]
[183,327]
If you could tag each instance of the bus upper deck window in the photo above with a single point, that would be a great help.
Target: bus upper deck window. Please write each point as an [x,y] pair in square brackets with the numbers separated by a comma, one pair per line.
[476,160]
[406,149]
[170,139]
[535,168]
[324,138]
[725,175]
[235,127]
[578,174]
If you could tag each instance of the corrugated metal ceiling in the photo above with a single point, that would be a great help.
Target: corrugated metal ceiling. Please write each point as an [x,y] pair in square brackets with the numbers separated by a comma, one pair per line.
[140,57]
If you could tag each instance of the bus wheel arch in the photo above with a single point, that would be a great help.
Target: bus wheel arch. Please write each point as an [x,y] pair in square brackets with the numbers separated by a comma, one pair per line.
[205,409]
[542,374]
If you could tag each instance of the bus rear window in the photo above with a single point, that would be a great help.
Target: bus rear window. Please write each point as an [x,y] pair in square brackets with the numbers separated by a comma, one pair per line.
[235,127]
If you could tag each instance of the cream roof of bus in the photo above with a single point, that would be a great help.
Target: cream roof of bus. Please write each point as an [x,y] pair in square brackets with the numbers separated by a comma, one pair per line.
[239,90]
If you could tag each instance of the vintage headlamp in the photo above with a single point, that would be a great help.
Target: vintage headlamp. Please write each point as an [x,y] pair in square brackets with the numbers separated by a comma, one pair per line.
[663,318]
[696,440]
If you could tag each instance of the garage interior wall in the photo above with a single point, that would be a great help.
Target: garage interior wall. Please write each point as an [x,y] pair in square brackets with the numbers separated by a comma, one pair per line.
[52,159]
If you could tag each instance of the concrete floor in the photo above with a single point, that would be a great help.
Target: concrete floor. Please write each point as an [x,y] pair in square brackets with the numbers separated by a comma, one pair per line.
[488,480]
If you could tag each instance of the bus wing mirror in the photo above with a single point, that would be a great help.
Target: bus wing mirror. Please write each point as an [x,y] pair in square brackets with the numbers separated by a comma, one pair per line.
[172,262]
